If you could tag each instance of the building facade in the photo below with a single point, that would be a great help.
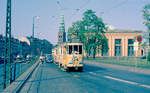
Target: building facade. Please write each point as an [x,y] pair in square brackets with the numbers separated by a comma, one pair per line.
[120,43]
[16,46]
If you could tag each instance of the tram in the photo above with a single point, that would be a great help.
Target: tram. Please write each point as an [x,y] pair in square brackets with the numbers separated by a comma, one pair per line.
[69,56]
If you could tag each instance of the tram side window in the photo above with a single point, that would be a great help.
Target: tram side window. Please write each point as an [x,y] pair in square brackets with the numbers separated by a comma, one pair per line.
[70,49]
[80,49]
[67,48]
[61,50]
[56,52]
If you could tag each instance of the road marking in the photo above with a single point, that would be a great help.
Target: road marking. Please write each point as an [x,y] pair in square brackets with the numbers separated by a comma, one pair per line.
[75,76]
[125,81]
[129,82]
[146,86]
[92,73]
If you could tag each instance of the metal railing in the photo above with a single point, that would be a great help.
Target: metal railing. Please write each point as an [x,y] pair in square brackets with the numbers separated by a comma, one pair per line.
[19,67]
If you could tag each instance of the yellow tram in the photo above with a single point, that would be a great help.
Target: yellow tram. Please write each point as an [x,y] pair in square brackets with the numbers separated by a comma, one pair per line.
[69,55]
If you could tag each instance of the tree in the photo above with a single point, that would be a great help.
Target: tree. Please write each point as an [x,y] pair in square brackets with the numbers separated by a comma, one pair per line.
[146,16]
[90,31]
[46,46]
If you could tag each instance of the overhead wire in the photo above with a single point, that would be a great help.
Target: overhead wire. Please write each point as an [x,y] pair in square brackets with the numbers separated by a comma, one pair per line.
[116,6]
[110,9]
[79,9]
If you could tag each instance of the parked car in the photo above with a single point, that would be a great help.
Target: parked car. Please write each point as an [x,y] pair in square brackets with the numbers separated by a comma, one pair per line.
[28,58]
[49,58]
[19,59]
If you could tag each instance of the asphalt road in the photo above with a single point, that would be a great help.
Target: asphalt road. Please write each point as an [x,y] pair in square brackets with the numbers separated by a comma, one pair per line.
[48,78]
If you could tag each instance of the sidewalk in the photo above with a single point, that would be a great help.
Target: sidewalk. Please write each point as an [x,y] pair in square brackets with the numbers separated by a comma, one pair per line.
[128,68]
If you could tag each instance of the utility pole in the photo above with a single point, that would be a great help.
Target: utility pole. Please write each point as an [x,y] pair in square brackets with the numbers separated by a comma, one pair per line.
[7,58]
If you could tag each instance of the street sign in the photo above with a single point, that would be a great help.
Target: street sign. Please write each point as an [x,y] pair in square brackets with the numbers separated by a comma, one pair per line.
[139,39]
[135,46]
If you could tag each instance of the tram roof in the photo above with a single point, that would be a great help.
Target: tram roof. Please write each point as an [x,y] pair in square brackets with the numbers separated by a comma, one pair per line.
[67,43]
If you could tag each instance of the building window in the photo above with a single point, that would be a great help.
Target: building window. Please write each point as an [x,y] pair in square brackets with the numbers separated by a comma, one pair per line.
[130,47]
[118,47]
[104,52]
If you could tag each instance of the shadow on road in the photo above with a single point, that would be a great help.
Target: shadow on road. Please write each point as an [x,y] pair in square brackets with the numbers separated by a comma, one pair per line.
[86,68]
[49,79]
[89,68]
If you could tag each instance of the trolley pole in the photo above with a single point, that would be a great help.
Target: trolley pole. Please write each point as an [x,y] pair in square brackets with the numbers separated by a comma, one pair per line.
[7,58]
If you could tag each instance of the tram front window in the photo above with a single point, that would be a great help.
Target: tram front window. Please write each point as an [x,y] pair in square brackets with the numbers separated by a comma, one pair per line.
[70,49]
[74,49]
[80,49]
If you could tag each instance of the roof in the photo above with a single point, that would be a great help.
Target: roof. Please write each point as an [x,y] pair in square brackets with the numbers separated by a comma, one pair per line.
[123,31]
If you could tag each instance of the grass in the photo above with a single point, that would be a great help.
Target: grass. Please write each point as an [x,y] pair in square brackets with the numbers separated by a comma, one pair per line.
[134,62]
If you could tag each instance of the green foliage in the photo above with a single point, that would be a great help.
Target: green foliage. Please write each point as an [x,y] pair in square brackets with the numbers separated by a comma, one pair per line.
[143,45]
[46,46]
[148,57]
[146,15]
[90,31]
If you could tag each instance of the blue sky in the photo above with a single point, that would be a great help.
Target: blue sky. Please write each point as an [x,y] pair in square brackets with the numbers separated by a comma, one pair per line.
[122,14]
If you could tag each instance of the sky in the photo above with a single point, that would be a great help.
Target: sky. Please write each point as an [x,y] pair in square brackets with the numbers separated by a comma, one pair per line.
[122,14]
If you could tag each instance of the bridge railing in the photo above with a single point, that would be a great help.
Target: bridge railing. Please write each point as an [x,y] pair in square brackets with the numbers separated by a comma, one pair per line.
[21,67]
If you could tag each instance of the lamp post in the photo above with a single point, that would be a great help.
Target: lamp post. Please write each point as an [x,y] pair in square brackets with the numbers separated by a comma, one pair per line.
[32,39]
[34,17]
[39,42]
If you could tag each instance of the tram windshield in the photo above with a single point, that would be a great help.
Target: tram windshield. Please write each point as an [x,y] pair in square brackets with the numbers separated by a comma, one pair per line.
[74,49]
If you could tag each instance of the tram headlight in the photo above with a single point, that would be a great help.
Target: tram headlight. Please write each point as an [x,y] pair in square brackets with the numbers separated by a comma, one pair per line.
[80,61]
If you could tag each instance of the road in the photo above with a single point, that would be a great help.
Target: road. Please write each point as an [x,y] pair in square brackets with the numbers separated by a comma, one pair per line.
[48,78]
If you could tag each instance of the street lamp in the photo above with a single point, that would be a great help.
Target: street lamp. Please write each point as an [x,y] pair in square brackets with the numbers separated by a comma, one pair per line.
[34,17]
[39,43]
[32,39]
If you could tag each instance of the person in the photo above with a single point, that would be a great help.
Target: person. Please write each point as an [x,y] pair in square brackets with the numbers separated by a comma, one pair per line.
[41,60]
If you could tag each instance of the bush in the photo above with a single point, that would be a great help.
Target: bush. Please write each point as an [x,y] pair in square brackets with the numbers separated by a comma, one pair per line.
[148,56]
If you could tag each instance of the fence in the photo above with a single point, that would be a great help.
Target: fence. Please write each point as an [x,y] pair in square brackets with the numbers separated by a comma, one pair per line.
[19,67]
